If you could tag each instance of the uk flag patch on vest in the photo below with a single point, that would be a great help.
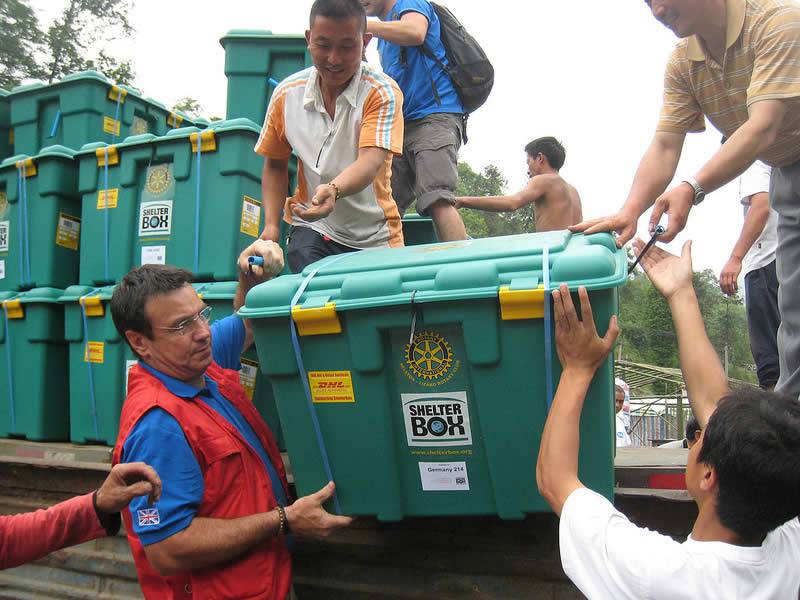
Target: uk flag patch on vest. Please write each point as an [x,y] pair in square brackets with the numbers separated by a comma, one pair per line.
[148,517]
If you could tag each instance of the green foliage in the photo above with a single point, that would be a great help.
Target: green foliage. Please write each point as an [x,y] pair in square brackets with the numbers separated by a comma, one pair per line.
[73,42]
[189,106]
[20,39]
[490,182]
[648,335]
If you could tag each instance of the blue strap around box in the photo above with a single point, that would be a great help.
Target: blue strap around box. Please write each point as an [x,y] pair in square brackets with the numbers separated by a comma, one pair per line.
[548,329]
[24,241]
[116,115]
[304,378]
[10,371]
[106,217]
[56,121]
[92,400]
[197,207]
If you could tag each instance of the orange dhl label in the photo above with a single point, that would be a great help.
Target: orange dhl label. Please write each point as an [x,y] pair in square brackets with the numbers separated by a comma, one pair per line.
[331,386]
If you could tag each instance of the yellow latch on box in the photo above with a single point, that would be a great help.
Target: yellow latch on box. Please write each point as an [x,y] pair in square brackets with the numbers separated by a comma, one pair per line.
[116,92]
[174,120]
[521,304]
[317,321]
[29,165]
[14,309]
[208,141]
[108,153]
[93,306]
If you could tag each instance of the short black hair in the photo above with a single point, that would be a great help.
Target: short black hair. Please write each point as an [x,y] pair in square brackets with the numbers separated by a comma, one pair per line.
[752,441]
[133,291]
[551,148]
[338,9]
[691,428]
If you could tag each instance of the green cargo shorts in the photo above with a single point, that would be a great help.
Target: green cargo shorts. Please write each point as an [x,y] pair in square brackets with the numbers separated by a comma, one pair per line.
[428,169]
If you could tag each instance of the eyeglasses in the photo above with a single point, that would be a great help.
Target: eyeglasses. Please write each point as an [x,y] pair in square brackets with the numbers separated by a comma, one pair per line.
[188,325]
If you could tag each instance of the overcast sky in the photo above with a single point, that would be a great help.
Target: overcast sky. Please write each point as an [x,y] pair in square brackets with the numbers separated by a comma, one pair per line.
[588,72]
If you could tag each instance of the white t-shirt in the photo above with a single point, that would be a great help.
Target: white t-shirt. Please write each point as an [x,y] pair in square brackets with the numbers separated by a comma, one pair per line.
[623,439]
[608,557]
[754,181]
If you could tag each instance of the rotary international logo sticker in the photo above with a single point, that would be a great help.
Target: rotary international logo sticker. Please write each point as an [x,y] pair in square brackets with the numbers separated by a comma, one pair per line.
[158,180]
[429,359]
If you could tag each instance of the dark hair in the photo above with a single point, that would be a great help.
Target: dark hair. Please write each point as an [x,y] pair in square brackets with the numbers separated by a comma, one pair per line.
[752,441]
[691,428]
[551,148]
[338,9]
[140,284]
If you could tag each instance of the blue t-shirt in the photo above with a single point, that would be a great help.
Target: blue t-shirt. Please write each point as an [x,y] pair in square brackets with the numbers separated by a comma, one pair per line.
[158,440]
[416,74]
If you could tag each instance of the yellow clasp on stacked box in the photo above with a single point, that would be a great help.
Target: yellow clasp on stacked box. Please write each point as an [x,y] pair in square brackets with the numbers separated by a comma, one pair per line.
[108,153]
[521,304]
[115,92]
[174,120]
[208,141]
[321,320]
[14,309]
[28,165]
[93,306]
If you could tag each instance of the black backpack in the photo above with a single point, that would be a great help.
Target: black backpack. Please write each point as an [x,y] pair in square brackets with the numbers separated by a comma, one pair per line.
[469,68]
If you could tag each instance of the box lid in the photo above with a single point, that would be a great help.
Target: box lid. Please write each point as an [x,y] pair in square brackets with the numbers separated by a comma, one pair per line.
[446,271]
[44,295]
[48,152]
[75,292]
[218,290]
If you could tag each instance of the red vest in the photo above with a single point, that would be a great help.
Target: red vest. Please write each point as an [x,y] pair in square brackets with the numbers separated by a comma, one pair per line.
[236,485]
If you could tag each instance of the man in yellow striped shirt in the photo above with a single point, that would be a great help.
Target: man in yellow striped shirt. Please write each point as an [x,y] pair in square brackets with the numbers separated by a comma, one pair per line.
[737,64]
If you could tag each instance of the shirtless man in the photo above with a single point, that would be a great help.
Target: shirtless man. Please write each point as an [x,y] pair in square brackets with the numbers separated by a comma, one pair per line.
[557,204]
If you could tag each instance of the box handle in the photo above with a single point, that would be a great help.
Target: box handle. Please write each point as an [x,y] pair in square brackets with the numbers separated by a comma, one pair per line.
[208,141]
[521,304]
[317,321]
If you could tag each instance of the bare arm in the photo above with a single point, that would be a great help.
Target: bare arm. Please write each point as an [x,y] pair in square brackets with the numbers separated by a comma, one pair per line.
[352,180]
[754,222]
[656,170]
[581,351]
[534,190]
[702,371]
[274,185]
[410,30]
[208,542]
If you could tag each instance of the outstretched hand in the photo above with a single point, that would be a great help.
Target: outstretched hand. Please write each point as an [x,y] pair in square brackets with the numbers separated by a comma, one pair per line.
[623,223]
[125,482]
[577,342]
[669,273]
[307,517]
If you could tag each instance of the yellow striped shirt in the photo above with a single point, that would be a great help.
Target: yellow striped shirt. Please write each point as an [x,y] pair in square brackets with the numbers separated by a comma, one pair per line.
[761,62]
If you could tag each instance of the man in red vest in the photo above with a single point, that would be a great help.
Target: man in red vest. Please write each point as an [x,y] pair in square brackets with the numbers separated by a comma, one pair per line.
[220,528]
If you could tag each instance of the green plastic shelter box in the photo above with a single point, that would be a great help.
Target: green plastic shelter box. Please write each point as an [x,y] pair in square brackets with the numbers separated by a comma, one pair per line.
[40,220]
[219,295]
[110,182]
[255,62]
[99,360]
[6,141]
[426,368]
[199,201]
[78,109]
[33,366]
[418,230]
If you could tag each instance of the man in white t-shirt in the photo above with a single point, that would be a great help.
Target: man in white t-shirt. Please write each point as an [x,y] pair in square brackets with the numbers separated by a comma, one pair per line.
[623,438]
[753,255]
[742,472]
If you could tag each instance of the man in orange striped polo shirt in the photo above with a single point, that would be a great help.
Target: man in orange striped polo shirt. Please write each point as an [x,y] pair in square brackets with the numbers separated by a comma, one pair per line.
[738,64]
[344,121]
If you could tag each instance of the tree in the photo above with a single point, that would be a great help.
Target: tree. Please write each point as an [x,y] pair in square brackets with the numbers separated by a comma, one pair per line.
[20,43]
[189,106]
[490,182]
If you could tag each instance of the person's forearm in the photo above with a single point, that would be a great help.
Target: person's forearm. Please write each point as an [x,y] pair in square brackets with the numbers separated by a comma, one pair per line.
[490,203]
[274,186]
[656,170]
[30,536]
[557,466]
[754,223]
[402,33]
[361,173]
[702,371]
[208,542]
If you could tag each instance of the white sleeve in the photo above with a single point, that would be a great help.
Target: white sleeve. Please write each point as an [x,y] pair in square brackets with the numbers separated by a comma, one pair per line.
[754,181]
[607,556]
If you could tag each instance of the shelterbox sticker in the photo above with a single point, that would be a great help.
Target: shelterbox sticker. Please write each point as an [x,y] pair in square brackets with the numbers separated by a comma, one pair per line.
[107,198]
[155,218]
[331,386]
[68,231]
[437,419]
[5,227]
[94,352]
[444,477]
[251,217]
[247,376]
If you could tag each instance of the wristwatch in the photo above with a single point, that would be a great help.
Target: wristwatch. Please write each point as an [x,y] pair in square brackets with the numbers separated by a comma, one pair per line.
[699,192]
